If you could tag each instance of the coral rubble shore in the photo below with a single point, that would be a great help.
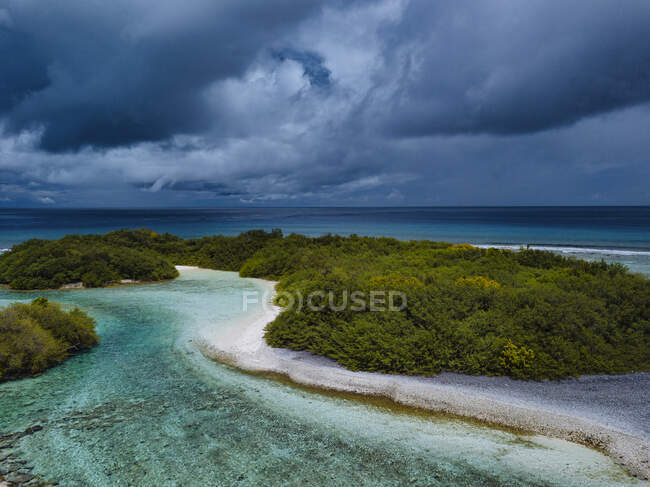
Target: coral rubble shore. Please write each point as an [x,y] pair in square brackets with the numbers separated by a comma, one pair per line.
[608,412]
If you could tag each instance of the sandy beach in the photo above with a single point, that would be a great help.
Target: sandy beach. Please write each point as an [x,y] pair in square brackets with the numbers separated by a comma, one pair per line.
[609,413]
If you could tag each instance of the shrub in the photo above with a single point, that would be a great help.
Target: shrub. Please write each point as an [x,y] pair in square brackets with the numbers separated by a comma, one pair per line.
[36,336]
[95,260]
[516,361]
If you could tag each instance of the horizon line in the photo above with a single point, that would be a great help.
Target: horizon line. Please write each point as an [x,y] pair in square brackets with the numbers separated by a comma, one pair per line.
[607,205]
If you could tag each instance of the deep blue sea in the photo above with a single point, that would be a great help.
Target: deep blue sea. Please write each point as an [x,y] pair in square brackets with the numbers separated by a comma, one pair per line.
[620,234]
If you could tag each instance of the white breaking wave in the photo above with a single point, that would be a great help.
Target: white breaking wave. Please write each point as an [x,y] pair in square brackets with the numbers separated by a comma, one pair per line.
[568,250]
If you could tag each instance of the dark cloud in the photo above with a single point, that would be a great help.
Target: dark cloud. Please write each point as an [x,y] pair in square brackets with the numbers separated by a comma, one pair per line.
[23,68]
[214,188]
[124,72]
[506,67]
[324,102]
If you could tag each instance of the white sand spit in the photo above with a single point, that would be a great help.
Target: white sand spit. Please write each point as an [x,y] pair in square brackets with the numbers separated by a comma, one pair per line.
[573,410]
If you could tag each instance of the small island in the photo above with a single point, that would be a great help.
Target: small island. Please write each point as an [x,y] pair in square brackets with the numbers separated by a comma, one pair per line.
[77,261]
[526,314]
[39,335]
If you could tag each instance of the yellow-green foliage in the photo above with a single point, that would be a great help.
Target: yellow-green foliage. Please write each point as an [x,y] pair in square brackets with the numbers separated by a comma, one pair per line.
[25,347]
[36,336]
[516,360]
[478,281]
[462,246]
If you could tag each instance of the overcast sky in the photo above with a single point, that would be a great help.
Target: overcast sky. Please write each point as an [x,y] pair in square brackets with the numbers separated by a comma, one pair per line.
[307,102]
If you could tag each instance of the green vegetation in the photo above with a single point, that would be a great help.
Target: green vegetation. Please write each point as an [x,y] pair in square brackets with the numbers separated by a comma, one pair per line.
[95,260]
[527,314]
[216,252]
[36,336]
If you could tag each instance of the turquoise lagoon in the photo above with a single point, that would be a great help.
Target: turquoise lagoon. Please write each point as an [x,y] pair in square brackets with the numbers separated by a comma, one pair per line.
[146,408]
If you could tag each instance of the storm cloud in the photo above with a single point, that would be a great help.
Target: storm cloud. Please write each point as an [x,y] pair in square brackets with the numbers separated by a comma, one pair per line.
[123,72]
[324,102]
[515,67]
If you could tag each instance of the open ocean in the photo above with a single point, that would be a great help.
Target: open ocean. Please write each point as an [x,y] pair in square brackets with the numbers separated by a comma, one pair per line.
[614,233]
